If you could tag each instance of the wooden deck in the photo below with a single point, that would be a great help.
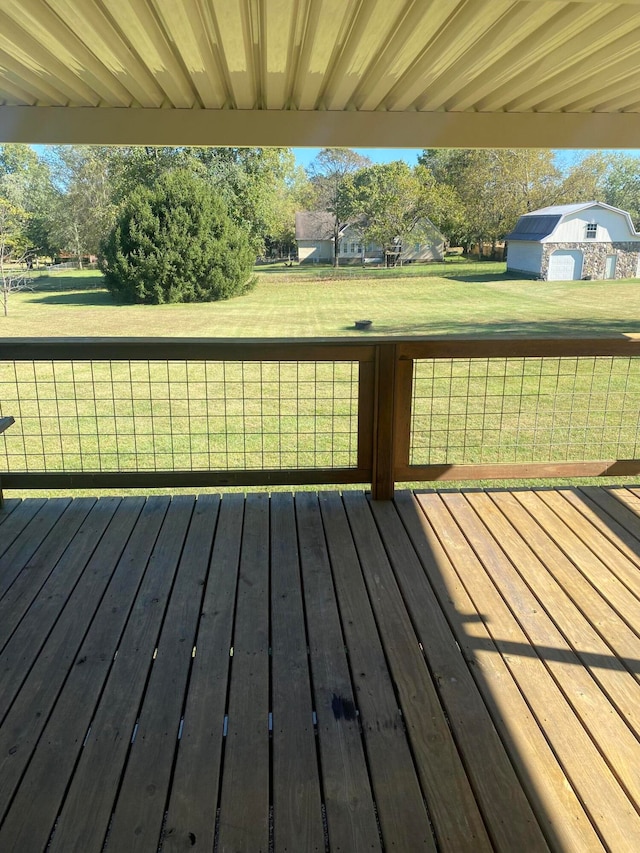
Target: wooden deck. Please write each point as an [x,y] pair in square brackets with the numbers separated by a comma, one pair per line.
[451,672]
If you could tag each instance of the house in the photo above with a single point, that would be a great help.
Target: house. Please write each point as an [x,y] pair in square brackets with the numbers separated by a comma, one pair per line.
[590,240]
[315,236]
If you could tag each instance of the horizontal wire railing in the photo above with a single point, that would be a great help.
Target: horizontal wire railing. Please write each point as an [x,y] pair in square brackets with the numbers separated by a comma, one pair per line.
[512,410]
[107,416]
[173,412]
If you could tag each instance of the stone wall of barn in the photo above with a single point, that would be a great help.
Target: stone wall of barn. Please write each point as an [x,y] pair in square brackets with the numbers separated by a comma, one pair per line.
[594,258]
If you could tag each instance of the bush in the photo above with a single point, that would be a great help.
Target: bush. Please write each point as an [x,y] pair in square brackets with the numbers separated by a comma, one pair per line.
[175,242]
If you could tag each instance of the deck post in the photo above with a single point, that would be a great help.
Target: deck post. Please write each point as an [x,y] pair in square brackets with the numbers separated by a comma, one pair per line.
[382,480]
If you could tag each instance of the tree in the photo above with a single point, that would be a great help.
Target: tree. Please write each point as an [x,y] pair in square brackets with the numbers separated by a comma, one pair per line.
[25,182]
[622,185]
[585,180]
[395,204]
[175,242]
[495,186]
[254,183]
[13,250]
[84,209]
[329,171]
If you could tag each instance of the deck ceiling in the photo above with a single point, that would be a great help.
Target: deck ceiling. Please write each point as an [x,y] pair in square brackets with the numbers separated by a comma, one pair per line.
[321,72]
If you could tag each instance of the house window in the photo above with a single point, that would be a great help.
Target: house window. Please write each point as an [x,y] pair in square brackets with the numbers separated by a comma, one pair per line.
[592,230]
[353,248]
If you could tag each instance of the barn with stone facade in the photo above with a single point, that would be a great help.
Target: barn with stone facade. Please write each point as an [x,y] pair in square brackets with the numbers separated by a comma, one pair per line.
[590,240]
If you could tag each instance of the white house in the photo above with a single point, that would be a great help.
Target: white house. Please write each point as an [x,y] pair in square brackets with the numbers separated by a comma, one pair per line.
[314,236]
[591,240]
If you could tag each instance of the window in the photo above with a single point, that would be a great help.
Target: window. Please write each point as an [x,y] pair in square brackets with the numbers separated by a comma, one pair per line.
[592,230]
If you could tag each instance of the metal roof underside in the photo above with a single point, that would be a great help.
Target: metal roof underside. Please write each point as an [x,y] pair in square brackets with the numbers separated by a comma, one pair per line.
[321,72]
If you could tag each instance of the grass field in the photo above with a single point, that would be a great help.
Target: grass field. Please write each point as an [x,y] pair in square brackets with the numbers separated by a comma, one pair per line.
[452,298]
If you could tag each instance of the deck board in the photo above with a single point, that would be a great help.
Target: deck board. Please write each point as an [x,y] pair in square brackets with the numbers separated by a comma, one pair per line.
[28,540]
[245,789]
[57,560]
[498,793]
[559,811]
[449,671]
[192,808]
[15,521]
[7,507]
[404,820]
[297,798]
[586,768]
[454,812]
[612,736]
[348,800]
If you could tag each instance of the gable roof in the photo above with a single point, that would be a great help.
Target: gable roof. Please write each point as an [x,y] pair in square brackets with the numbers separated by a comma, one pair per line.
[561,73]
[539,224]
[314,225]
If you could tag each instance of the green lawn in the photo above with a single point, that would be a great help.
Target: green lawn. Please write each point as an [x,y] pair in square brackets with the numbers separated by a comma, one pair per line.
[452,298]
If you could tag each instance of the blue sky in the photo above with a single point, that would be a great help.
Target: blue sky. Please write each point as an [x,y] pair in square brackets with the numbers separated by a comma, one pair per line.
[304,156]
[564,158]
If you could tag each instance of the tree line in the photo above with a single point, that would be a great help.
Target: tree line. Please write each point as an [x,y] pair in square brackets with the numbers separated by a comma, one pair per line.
[474,196]
[69,199]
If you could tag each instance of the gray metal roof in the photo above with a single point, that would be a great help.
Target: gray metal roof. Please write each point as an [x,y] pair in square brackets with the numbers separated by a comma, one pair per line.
[533,227]
[565,209]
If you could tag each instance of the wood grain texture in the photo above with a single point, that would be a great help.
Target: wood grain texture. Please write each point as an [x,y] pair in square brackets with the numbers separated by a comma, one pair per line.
[456,819]
[70,542]
[191,815]
[101,685]
[297,816]
[472,659]
[351,819]
[28,540]
[584,765]
[244,819]
[561,815]
[403,818]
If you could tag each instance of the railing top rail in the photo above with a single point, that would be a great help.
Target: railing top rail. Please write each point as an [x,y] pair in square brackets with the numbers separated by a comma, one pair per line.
[191,349]
[518,347]
[311,349]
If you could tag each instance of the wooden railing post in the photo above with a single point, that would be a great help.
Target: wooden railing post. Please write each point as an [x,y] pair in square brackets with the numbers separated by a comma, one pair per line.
[382,482]
[392,419]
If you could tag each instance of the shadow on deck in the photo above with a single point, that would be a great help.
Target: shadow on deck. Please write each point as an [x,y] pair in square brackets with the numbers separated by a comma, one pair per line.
[451,671]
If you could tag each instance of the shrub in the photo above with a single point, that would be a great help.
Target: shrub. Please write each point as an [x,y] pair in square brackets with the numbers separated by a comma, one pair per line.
[175,242]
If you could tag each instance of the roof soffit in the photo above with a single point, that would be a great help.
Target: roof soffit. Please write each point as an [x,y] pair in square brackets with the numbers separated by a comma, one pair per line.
[539,62]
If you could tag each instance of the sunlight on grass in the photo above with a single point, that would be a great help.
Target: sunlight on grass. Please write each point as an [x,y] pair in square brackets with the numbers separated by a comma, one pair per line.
[463,298]
[100,416]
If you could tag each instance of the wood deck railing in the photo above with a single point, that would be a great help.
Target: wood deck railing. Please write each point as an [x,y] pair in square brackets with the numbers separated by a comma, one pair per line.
[123,412]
